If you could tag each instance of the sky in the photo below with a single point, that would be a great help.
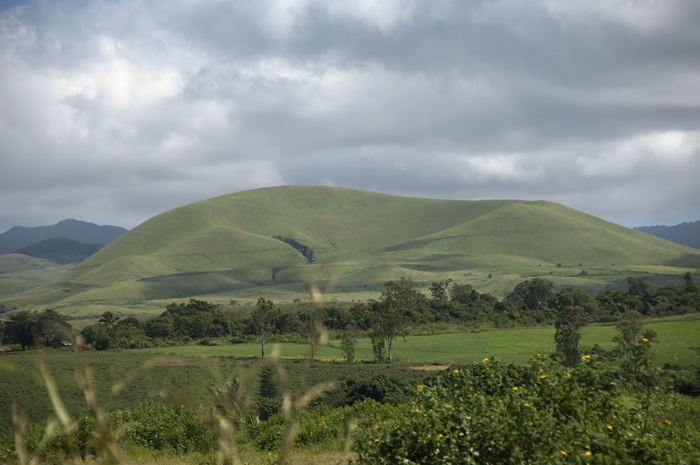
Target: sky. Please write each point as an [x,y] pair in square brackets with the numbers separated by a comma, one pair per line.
[113,111]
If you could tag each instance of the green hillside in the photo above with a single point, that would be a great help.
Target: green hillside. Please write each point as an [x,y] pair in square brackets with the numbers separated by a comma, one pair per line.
[268,241]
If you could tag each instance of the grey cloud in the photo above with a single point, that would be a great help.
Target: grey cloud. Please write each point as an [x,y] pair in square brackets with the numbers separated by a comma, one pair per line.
[122,110]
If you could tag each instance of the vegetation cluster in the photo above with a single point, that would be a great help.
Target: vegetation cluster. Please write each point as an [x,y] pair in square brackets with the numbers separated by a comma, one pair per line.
[400,308]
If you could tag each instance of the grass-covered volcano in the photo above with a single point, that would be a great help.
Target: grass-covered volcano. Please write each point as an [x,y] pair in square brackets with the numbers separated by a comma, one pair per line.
[228,247]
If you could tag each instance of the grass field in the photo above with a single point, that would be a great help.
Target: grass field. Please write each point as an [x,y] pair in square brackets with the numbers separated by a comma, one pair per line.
[187,371]
[679,342]
[19,273]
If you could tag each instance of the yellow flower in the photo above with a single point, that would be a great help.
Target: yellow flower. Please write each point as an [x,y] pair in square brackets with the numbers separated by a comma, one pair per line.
[376,426]
[588,452]
[668,422]
[526,405]
[515,388]
[543,376]
[610,427]
[486,359]
[417,411]
[475,395]
[456,371]
[586,357]
[440,435]
[538,355]
[376,440]
[563,453]
[420,386]
[645,340]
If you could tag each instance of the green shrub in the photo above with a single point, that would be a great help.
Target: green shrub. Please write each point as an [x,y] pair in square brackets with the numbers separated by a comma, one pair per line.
[541,413]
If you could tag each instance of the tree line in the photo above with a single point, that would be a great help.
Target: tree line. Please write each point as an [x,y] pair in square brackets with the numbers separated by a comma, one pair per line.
[400,306]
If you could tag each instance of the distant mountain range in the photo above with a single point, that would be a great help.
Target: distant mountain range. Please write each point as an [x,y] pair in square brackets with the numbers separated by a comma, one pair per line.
[684,233]
[84,237]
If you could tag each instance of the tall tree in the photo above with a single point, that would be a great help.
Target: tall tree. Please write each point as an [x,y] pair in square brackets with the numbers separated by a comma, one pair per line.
[108,320]
[263,320]
[568,333]
[396,302]
[348,342]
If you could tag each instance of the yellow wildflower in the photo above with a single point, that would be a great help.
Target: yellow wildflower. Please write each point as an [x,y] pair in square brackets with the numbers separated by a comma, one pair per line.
[456,371]
[645,340]
[515,388]
[526,405]
[440,435]
[543,376]
[486,359]
[420,386]
[610,427]
[588,452]
[562,452]
[668,422]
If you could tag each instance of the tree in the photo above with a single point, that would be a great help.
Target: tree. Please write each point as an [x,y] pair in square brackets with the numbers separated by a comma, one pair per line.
[396,301]
[347,343]
[568,333]
[160,327]
[531,294]
[109,320]
[438,290]
[21,327]
[263,320]
[629,330]
[690,286]
[463,293]
[52,328]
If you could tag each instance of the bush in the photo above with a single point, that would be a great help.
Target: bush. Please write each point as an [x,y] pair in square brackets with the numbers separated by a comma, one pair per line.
[542,413]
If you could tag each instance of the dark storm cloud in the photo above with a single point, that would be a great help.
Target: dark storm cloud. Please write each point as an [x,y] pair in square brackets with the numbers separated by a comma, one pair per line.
[116,111]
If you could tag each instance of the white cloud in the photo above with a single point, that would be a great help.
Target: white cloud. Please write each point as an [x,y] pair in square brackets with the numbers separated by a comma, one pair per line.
[663,151]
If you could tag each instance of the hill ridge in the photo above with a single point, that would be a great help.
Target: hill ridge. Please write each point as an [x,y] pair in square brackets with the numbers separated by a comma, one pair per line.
[230,246]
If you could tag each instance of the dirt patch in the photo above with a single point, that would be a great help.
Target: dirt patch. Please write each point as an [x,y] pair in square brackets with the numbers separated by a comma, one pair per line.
[431,367]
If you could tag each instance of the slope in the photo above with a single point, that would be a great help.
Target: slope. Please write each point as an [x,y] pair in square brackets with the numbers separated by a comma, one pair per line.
[232,245]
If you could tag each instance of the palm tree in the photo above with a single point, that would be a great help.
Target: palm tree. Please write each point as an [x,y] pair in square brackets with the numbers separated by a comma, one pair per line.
[108,319]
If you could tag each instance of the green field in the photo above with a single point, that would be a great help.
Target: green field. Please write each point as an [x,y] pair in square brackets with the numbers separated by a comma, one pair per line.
[679,342]
[237,247]
[186,370]
[20,273]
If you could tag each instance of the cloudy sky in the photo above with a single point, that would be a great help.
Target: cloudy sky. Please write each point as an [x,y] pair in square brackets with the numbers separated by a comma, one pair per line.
[114,111]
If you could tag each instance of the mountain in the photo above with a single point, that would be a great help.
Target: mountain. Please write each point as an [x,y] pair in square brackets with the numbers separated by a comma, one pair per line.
[684,233]
[19,237]
[271,241]
[61,251]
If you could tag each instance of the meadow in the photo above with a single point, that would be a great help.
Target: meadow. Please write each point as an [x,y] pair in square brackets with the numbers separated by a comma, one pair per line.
[678,342]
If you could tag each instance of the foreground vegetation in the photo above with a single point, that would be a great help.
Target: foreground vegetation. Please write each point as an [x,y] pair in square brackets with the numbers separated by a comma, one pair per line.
[484,412]
[591,394]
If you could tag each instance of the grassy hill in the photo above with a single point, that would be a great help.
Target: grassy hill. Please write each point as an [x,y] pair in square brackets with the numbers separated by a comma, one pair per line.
[268,241]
